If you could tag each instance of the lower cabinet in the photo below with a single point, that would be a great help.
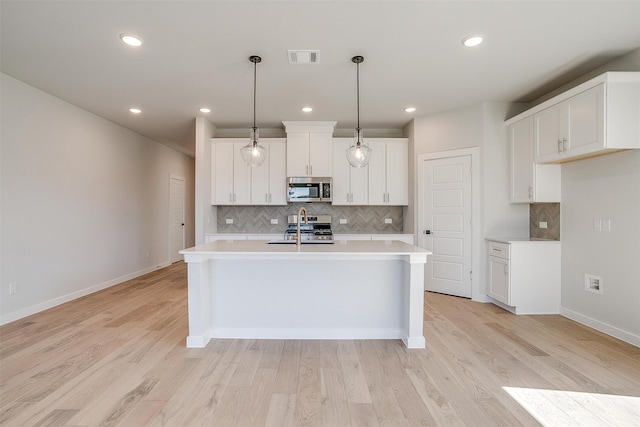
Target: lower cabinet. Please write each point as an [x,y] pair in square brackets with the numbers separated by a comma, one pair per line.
[524,275]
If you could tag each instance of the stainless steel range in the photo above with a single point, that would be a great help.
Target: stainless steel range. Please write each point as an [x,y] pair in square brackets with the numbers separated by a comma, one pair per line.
[318,227]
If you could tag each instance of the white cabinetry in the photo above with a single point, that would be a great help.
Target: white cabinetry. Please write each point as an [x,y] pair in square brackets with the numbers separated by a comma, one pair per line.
[388,171]
[530,182]
[231,176]
[350,185]
[571,128]
[235,183]
[524,276]
[269,180]
[594,118]
[309,146]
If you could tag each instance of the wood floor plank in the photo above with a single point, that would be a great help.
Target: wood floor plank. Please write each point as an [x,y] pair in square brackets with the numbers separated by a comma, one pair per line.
[118,357]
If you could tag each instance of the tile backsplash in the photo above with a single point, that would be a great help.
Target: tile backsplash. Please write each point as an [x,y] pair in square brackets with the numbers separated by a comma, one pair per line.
[360,219]
[544,212]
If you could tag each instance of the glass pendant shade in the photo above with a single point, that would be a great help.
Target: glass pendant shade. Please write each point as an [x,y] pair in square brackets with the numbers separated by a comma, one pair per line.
[358,154]
[253,153]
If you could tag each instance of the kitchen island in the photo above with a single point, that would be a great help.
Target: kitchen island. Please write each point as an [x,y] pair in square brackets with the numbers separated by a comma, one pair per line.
[345,290]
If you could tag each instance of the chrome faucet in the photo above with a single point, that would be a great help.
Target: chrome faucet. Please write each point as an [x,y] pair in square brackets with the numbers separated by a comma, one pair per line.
[298,223]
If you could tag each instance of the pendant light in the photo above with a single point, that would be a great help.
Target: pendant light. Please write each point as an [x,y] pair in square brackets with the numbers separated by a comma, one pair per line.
[253,153]
[358,154]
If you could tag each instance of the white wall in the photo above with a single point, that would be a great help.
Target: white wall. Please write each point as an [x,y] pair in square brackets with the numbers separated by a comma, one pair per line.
[83,201]
[477,126]
[603,187]
[206,215]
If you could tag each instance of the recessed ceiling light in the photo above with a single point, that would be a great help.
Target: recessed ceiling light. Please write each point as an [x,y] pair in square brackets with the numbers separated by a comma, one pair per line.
[205,110]
[307,109]
[131,40]
[472,41]
[410,109]
[135,110]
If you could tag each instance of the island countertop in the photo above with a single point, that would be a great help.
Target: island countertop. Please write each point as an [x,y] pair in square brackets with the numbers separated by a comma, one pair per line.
[341,247]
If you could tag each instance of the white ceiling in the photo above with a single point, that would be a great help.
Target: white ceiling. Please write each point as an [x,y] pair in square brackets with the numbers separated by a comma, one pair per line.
[196,54]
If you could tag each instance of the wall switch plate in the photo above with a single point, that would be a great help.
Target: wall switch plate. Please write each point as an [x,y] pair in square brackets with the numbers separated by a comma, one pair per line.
[228,220]
[606,225]
[542,224]
[13,288]
[343,220]
[597,224]
[274,221]
[388,221]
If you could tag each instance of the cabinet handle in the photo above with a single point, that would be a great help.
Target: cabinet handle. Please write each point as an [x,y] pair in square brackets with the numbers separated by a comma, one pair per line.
[311,170]
[506,269]
[564,145]
[559,146]
[230,197]
[530,192]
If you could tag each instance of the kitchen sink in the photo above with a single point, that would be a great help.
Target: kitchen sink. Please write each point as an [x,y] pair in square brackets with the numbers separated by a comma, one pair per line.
[304,242]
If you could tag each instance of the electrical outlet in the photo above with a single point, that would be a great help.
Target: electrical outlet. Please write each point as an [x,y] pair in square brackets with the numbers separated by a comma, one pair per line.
[606,225]
[274,221]
[13,288]
[343,220]
[228,221]
[542,224]
[388,221]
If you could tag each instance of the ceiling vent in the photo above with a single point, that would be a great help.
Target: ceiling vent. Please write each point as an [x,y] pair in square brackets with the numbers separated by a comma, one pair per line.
[304,56]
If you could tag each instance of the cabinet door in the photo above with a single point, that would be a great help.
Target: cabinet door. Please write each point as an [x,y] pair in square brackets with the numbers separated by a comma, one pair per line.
[260,179]
[499,280]
[341,187]
[241,177]
[320,158]
[297,154]
[521,145]
[223,172]
[546,134]
[359,179]
[377,173]
[397,173]
[278,172]
[585,122]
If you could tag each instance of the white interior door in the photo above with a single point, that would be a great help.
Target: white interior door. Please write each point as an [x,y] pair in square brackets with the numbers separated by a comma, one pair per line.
[445,212]
[176,217]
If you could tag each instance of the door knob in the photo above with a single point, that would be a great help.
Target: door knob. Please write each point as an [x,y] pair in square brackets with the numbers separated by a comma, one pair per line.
[427,231]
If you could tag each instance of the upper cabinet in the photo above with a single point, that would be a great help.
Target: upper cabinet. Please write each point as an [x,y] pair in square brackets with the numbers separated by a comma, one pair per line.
[350,185]
[309,148]
[594,118]
[571,128]
[530,182]
[389,171]
[235,183]
[269,180]
[231,176]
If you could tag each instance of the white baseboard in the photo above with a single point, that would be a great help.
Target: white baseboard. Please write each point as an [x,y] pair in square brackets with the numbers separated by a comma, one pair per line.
[602,327]
[37,308]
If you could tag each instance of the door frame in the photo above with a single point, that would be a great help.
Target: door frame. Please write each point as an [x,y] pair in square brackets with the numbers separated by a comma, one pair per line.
[184,212]
[477,289]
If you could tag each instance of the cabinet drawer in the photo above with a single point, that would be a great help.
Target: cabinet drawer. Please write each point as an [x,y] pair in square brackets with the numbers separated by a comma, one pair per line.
[500,250]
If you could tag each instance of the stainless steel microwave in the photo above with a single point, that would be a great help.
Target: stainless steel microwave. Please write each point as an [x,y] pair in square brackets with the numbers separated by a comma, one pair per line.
[309,189]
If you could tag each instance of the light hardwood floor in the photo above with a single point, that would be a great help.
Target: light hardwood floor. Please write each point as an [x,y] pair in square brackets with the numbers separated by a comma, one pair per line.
[118,357]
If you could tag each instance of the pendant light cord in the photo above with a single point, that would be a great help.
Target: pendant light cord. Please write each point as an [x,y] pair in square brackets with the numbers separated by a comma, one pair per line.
[358,93]
[255,71]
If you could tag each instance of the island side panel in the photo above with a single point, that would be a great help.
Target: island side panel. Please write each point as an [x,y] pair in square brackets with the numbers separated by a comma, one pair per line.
[308,299]
[199,269]
[414,302]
